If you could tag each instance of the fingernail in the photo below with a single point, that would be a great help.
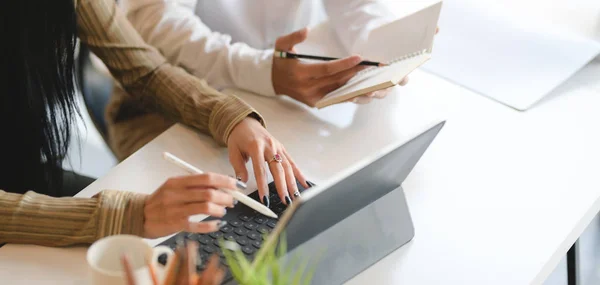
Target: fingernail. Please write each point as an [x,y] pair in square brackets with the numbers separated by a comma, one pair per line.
[224,211]
[288,201]
[266,201]
[235,201]
[357,59]
[241,185]
[221,224]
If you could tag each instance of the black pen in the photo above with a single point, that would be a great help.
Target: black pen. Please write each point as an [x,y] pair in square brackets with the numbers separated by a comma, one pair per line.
[284,54]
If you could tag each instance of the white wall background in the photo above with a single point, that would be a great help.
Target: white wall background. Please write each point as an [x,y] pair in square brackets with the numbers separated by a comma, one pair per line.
[88,154]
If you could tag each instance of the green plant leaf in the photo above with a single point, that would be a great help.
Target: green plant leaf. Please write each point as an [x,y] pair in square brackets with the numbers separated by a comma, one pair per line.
[300,272]
[262,273]
[282,250]
[291,266]
[269,243]
[309,275]
[234,266]
[311,272]
[275,270]
[268,270]
[245,266]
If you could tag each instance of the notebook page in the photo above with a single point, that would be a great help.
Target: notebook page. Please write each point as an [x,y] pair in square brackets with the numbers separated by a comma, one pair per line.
[391,75]
[322,41]
[412,33]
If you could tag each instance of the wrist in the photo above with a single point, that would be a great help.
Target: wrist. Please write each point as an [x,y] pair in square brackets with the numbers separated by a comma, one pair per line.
[252,118]
[227,115]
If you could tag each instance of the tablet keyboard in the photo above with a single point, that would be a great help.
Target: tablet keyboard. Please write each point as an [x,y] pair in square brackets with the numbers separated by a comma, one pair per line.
[245,226]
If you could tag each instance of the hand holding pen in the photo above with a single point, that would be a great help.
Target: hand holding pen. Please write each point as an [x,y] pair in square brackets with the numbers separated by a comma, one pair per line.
[309,82]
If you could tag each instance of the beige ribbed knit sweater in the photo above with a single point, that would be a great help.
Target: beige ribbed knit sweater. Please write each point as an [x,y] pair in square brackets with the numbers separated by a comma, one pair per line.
[144,73]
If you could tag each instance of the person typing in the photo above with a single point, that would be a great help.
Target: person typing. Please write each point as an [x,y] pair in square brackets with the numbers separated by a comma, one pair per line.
[37,107]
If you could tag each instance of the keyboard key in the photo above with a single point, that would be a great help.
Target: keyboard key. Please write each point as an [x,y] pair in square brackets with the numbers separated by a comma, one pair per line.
[191,235]
[256,243]
[228,275]
[209,249]
[242,241]
[254,235]
[260,220]
[264,230]
[217,243]
[216,234]
[204,239]
[241,231]
[203,255]
[226,229]
[272,223]
[275,201]
[248,250]
[229,236]
[250,226]
[236,223]
[244,217]
[279,209]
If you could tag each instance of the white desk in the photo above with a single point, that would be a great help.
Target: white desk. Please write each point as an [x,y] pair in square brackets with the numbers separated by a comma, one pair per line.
[498,198]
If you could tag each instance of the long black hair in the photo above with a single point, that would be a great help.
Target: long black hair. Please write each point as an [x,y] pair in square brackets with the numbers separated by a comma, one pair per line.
[37,93]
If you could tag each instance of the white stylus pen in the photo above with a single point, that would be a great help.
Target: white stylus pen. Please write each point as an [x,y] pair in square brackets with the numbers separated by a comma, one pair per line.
[236,194]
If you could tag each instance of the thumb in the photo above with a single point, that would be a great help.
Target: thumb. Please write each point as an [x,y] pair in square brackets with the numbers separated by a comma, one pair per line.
[239,164]
[287,42]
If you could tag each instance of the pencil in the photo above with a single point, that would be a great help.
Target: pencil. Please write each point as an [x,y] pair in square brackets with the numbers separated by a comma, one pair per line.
[172,269]
[152,273]
[192,256]
[236,194]
[284,54]
[128,270]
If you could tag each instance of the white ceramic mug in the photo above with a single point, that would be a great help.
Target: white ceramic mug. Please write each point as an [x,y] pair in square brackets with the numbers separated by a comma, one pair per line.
[105,255]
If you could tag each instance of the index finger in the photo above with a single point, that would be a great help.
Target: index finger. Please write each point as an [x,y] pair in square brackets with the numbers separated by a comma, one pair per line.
[258,163]
[331,67]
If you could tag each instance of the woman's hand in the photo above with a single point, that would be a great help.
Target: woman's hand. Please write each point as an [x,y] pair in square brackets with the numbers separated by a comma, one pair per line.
[250,140]
[309,82]
[167,210]
[379,94]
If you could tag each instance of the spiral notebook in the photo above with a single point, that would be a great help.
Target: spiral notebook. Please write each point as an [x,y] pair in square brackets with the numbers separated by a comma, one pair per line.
[404,44]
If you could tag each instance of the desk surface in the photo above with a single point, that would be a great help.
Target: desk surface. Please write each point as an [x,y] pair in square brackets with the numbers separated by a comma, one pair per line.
[498,198]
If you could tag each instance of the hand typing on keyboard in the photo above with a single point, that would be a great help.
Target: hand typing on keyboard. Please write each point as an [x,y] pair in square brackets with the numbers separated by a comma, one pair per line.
[249,140]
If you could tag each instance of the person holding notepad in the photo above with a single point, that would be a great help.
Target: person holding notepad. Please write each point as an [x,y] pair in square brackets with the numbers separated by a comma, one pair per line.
[231,44]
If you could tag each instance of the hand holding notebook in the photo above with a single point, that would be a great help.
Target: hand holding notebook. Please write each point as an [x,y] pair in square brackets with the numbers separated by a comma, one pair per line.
[402,46]
[308,83]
